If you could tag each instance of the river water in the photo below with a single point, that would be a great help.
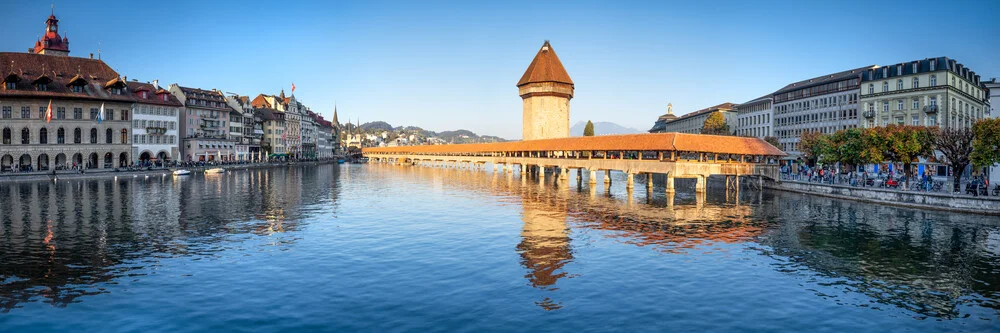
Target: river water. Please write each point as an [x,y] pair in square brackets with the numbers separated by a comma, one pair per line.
[392,248]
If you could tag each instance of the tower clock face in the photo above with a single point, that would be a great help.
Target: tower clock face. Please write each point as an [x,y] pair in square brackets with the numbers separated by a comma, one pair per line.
[52,28]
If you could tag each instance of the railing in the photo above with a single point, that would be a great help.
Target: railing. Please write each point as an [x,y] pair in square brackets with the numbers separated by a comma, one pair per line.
[156,130]
[868,114]
[931,109]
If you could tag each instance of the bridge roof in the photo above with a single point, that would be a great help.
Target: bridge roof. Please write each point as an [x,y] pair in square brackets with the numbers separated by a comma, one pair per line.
[700,143]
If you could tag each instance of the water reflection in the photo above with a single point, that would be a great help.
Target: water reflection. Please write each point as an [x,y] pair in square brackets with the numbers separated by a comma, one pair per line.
[64,240]
[933,264]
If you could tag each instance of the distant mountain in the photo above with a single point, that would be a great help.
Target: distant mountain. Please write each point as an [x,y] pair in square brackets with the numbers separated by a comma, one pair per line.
[376,126]
[457,136]
[602,128]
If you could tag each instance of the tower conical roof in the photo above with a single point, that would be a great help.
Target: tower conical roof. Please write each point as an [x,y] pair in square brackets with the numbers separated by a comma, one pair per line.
[546,67]
[335,121]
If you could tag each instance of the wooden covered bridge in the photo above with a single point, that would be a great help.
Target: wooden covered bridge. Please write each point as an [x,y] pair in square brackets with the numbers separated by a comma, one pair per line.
[676,155]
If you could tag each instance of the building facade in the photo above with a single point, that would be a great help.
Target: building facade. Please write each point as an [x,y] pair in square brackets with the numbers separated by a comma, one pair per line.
[251,127]
[693,122]
[204,125]
[545,90]
[928,92]
[824,104]
[90,108]
[155,123]
[273,123]
[753,118]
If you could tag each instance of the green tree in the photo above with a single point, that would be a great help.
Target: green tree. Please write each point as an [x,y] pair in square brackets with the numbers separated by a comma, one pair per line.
[589,129]
[812,145]
[986,142]
[773,140]
[955,145]
[715,124]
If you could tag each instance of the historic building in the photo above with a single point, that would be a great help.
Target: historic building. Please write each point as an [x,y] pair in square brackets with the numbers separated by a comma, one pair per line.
[273,123]
[204,125]
[823,104]
[545,90]
[308,135]
[251,126]
[993,91]
[90,109]
[753,118]
[155,127]
[692,122]
[929,92]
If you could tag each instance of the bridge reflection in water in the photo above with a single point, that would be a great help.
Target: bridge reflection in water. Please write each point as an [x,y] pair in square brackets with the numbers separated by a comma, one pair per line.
[927,262]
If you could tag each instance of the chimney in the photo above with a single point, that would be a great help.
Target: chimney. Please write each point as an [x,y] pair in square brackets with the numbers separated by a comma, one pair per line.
[91,56]
[156,84]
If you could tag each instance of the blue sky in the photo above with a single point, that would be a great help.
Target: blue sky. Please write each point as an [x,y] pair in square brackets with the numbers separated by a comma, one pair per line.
[449,65]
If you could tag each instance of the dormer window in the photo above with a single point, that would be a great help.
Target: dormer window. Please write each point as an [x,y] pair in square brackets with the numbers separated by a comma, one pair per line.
[164,96]
[143,94]
[78,89]
[10,85]
[42,87]
[116,91]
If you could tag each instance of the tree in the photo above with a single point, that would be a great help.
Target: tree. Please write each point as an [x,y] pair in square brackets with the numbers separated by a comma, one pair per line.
[955,145]
[986,142]
[812,144]
[905,144]
[589,129]
[773,140]
[715,124]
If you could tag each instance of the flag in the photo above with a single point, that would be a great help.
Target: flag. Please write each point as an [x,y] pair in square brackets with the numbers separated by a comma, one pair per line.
[293,87]
[48,113]
[100,114]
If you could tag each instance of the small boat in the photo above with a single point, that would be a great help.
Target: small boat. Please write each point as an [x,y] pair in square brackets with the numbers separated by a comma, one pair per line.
[215,170]
[340,161]
[182,173]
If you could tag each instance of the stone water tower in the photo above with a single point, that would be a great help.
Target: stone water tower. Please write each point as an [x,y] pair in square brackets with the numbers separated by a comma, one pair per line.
[545,89]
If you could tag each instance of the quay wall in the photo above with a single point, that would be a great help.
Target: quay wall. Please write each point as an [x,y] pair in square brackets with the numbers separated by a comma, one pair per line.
[937,201]
[110,173]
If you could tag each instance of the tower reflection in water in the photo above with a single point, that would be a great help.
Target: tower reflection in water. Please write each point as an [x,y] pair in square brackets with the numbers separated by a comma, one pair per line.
[930,263]
[549,209]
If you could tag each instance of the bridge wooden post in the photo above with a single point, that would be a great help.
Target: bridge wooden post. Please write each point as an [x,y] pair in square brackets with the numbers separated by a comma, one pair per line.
[629,180]
[607,177]
[699,186]
[541,174]
[670,183]
[563,172]
[649,180]
[593,177]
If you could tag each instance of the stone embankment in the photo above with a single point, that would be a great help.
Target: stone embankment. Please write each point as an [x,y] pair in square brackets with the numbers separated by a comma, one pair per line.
[915,199]
[110,173]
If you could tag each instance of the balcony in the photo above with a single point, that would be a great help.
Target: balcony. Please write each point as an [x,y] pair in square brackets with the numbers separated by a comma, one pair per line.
[868,114]
[156,130]
[930,109]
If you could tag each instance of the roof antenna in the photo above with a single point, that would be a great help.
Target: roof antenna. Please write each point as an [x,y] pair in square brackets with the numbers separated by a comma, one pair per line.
[98,50]
[53,9]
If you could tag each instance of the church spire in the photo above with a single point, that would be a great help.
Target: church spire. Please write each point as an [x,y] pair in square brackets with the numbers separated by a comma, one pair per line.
[335,122]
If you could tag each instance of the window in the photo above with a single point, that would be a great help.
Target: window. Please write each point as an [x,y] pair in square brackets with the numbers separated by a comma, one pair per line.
[60,113]
[916,82]
[124,136]
[931,121]
[60,136]
[899,105]
[899,84]
[108,136]
[6,136]
[25,112]
[916,103]
[43,136]
[933,65]
[41,112]
[135,138]
[7,113]
[125,115]
[93,113]
[885,86]
[885,106]
[77,88]
[914,67]
[933,77]
[899,69]
[77,135]
[78,113]
[25,136]
[116,91]
[93,135]
[916,120]
[42,87]
[111,114]
[11,85]
[143,94]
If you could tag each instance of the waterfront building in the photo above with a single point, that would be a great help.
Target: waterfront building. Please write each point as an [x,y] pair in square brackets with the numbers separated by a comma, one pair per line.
[929,92]
[693,122]
[273,124]
[204,125]
[307,134]
[993,91]
[336,133]
[545,90]
[753,118]
[251,128]
[823,104]
[155,117]
[78,90]
[661,123]
[324,138]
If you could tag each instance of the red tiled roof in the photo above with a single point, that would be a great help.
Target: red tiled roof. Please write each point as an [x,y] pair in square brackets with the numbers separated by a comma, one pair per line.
[630,142]
[151,97]
[61,70]
[546,67]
